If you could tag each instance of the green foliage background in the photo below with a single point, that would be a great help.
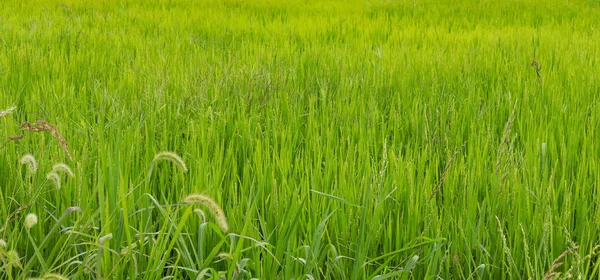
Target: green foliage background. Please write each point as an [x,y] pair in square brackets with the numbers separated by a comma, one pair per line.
[343,139]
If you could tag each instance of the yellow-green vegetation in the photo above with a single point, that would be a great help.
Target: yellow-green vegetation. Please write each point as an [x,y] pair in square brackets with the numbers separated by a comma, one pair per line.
[230,139]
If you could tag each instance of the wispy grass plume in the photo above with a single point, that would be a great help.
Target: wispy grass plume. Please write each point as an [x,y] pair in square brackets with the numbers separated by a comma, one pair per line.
[55,178]
[61,167]
[168,156]
[212,206]
[200,214]
[42,125]
[54,276]
[31,163]
[13,258]
[7,111]
[30,220]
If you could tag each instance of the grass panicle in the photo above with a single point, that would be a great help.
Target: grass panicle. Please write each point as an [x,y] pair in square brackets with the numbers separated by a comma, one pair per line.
[61,167]
[54,276]
[40,126]
[13,258]
[31,220]
[7,111]
[167,156]
[30,162]
[212,206]
[54,178]
[200,214]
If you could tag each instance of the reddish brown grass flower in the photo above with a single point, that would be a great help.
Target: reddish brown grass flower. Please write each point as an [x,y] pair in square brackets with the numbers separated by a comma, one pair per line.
[42,125]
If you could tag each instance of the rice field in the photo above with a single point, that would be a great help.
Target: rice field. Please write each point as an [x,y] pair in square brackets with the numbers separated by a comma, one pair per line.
[230,139]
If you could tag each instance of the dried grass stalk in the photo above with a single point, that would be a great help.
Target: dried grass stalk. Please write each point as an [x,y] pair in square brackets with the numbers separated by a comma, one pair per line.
[42,125]
[16,137]
[551,274]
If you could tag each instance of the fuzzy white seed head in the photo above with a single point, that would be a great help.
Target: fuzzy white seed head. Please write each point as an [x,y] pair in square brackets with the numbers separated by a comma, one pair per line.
[126,250]
[225,256]
[31,163]
[103,239]
[30,220]
[55,178]
[168,156]
[200,214]
[212,206]
[7,111]
[54,276]
[173,157]
[13,258]
[3,243]
[61,167]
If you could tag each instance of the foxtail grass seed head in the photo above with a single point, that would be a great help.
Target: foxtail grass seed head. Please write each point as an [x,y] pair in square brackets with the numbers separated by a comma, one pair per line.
[13,258]
[225,256]
[103,239]
[169,156]
[212,206]
[31,163]
[54,276]
[63,168]
[200,214]
[3,244]
[55,178]
[31,220]
[7,111]
[126,250]
[73,209]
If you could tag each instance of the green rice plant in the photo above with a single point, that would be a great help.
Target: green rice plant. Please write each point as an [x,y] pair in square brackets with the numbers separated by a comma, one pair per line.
[341,139]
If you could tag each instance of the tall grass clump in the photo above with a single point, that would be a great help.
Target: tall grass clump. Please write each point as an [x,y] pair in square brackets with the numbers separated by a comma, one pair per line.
[300,140]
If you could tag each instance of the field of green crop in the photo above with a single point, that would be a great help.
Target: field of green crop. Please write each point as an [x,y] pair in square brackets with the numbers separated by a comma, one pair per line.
[231,139]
